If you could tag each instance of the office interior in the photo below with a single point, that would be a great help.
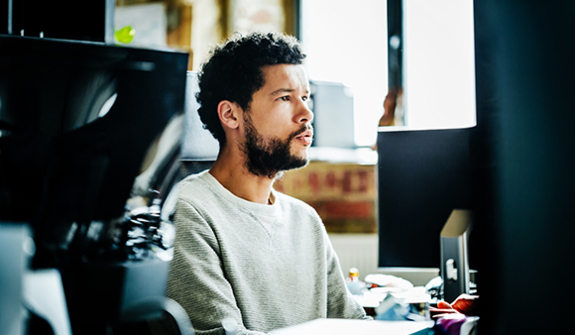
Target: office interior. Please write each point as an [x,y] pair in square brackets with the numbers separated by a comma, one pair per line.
[97,127]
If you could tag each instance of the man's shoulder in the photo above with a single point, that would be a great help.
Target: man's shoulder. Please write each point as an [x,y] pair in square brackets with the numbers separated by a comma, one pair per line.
[193,185]
[294,204]
[192,178]
[289,199]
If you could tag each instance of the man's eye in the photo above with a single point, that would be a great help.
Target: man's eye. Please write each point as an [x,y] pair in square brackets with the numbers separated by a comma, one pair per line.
[304,98]
[285,98]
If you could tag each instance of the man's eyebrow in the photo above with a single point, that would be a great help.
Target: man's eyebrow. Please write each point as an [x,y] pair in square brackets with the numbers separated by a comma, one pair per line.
[282,90]
[285,90]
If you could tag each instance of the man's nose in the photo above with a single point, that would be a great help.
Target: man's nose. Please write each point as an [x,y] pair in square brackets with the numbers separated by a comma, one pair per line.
[305,114]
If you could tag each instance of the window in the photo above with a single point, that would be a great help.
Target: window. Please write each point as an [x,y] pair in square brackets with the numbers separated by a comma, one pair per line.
[439,64]
[346,42]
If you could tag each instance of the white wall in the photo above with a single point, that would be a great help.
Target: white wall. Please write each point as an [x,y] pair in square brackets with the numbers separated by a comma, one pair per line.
[361,251]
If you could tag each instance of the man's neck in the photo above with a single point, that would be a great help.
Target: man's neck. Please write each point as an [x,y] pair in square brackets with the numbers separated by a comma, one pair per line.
[231,172]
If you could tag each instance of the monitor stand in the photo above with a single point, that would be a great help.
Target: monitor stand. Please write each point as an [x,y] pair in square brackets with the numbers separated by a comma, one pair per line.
[454,254]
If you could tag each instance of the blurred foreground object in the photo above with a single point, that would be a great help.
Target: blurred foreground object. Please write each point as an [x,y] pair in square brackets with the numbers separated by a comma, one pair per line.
[89,149]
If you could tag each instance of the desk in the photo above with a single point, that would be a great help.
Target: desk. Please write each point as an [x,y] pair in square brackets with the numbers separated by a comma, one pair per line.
[346,327]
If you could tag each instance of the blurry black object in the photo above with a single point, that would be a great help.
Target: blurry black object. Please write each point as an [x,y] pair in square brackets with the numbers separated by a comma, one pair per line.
[92,20]
[91,180]
[60,162]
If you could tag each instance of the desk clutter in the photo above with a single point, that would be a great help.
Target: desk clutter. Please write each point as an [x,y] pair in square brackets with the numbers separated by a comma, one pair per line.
[391,298]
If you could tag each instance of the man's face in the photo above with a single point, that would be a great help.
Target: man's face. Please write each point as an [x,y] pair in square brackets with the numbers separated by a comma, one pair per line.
[277,124]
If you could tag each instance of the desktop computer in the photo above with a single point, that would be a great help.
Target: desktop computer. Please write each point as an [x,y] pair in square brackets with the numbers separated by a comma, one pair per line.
[425,180]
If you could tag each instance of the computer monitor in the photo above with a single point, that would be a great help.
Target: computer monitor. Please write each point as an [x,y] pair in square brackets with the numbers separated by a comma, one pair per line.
[79,123]
[89,135]
[423,175]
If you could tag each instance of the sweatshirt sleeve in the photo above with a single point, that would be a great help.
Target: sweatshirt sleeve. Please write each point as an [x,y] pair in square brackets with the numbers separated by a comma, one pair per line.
[197,281]
[341,303]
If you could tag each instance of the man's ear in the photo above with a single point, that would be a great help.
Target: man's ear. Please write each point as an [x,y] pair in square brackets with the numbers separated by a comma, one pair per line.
[229,114]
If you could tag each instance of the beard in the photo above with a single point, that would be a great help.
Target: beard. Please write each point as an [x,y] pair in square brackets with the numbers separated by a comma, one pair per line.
[267,158]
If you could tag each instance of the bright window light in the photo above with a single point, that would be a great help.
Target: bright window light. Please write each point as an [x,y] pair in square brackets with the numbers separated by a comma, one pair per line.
[346,42]
[439,64]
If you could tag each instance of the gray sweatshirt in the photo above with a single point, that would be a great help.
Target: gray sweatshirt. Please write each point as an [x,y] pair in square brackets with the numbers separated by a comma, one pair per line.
[264,266]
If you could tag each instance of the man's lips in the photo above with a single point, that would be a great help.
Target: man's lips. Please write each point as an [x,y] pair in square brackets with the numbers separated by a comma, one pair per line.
[306,136]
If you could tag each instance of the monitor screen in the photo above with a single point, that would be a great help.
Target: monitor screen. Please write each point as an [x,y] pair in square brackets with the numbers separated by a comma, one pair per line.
[423,175]
[89,134]
[79,122]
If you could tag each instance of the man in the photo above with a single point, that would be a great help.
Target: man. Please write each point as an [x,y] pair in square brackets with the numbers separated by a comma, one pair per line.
[244,251]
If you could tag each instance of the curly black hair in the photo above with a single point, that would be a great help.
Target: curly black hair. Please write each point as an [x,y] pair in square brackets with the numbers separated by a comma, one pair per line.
[234,72]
